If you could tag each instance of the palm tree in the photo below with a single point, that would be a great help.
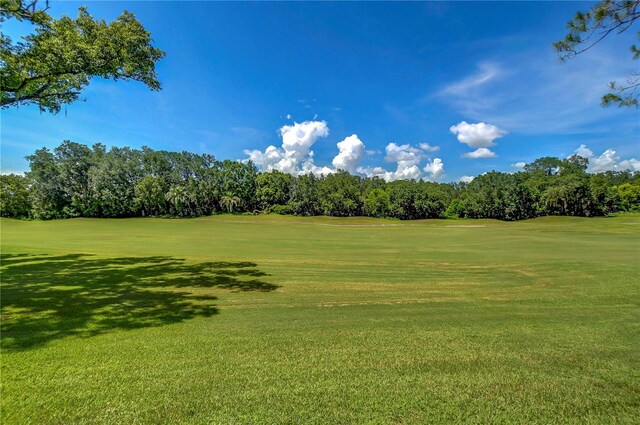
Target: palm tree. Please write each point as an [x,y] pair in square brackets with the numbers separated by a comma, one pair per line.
[230,201]
[180,197]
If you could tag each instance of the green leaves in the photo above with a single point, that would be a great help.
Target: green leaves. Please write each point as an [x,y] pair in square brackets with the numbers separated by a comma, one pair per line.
[51,67]
[587,29]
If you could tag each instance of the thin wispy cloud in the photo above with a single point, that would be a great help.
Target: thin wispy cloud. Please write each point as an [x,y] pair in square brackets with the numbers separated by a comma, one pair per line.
[537,95]
[486,72]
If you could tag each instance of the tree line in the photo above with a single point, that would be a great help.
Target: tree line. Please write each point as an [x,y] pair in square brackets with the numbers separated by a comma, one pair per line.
[74,180]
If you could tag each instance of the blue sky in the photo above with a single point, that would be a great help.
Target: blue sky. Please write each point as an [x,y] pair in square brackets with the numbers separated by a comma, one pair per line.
[479,81]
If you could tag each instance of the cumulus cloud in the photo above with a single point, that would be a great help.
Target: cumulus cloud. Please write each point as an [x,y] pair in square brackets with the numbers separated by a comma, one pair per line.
[296,157]
[310,167]
[428,148]
[435,168]
[519,165]
[405,154]
[351,152]
[407,159]
[607,161]
[466,179]
[584,151]
[288,116]
[479,136]
[480,153]
[297,140]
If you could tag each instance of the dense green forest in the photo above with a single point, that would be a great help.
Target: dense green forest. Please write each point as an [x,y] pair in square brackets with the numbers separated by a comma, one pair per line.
[75,180]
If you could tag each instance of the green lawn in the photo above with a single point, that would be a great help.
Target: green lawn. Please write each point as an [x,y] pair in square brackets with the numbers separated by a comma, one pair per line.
[272,319]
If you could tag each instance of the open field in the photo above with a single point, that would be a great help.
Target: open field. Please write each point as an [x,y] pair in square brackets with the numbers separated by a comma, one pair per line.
[271,319]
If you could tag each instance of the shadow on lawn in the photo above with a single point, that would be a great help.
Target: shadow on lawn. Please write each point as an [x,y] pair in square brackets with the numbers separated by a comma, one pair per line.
[51,297]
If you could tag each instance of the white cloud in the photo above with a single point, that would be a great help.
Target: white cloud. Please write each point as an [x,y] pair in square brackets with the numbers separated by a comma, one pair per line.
[607,161]
[480,153]
[288,116]
[297,140]
[406,158]
[351,153]
[487,72]
[435,168]
[466,179]
[310,167]
[8,172]
[405,154]
[428,148]
[296,157]
[519,165]
[480,136]
[630,164]
[584,151]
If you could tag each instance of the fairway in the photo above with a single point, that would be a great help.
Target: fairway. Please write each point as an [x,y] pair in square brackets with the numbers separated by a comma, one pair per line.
[271,319]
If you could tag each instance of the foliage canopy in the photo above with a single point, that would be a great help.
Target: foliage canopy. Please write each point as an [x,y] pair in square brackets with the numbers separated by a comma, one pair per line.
[52,66]
[74,180]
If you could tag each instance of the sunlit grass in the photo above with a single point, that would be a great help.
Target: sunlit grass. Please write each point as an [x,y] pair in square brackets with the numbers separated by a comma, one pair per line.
[269,319]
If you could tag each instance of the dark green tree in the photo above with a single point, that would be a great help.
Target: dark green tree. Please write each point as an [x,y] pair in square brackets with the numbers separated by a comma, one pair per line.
[113,181]
[402,195]
[273,188]
[14,196]
[73,161]
[239,179]
[150,195]
[377,203]
[304,195]
[431,199]
[48,197]
[340,195]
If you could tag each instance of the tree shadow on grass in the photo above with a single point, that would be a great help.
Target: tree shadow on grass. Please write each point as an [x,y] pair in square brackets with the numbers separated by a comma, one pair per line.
[51,297]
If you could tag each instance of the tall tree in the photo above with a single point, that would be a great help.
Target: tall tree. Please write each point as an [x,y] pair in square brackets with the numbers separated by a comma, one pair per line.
[377,203]
[51,67]
[304,195]
[74,161]
[113,181]
[181,199]
[273,189]
[150,195]
[14,196]
[587,29]
[48,198]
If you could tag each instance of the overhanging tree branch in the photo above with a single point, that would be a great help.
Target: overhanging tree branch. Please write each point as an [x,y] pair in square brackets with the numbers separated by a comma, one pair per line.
[52,66]
[606,17]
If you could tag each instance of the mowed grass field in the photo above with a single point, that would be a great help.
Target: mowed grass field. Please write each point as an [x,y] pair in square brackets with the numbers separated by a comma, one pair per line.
[268,319]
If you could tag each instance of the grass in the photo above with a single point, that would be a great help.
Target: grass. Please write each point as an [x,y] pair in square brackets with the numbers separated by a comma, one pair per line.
[268,319]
